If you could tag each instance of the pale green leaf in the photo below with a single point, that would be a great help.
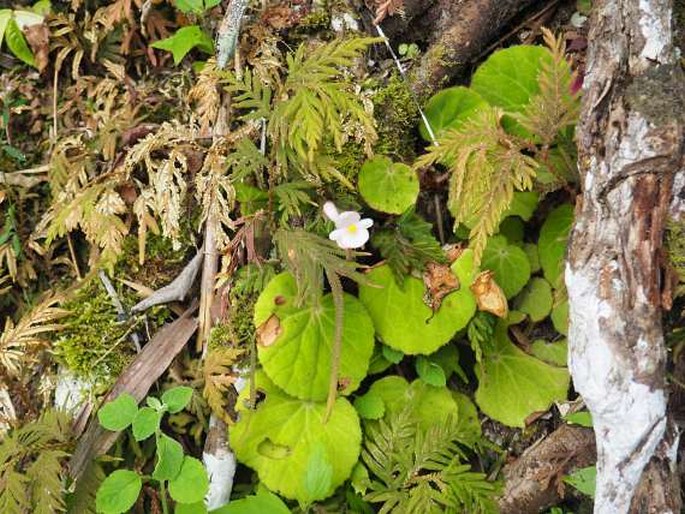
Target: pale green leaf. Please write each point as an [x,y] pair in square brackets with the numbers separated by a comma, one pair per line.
[17,44]
[278,438]
[177,398]
[535,299]
[184,40]
[449,108]
[118,492]
[297,355]
[146,423]
[264,502]
[512,385]
[119,413]
[387,186]
[552,243]
[191,483]
[509,262]
[584,480]
[169,458]
[402,318]
[553,353]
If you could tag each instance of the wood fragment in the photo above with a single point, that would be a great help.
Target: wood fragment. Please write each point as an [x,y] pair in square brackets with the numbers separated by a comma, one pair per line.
[136,380]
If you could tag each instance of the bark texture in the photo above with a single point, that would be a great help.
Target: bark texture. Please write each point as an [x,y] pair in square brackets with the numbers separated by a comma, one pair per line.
[630,147]
[532,482]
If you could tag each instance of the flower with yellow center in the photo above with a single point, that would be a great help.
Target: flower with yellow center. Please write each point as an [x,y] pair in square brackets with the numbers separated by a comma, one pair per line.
[351,231]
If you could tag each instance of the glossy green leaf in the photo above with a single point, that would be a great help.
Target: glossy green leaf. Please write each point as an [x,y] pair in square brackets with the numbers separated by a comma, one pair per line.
[512,384]
[402,318]
[119,413]
[449,108]
[184,40]
[584,480]
[510,264]
[191,484]
[169,458]
[17,44]
[279,437]
[387,186]
[509,77]
[535,299]
[552,243]
[118,492]
[176,399]
[146,423]
[264,502]
[430,372]
[298,359]
[553,353]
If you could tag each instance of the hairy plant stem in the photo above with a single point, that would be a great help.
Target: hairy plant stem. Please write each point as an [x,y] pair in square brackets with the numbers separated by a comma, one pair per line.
[338,302]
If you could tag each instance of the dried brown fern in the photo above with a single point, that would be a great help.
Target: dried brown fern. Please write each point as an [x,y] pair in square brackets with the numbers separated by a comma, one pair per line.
[18,343]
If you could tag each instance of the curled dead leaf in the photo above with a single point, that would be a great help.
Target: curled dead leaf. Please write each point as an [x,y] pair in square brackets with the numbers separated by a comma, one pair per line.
[439,281]
[268,332]
[489,296]
[37,36]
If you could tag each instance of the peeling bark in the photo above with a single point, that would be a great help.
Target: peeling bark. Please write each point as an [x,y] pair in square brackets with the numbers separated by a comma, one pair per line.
[532,480]
[630,147]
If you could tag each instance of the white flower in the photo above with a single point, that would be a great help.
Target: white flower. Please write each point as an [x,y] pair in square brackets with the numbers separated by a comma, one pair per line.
[351,231]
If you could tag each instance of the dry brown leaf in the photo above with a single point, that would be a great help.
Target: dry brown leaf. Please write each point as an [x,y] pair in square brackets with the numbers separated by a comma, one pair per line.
[439,281]
[385,8]
[37,36]
[268,332]
[489,296]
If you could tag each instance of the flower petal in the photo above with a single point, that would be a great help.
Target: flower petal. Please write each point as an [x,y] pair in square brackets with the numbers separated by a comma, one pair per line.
[347,218]
[331,211]
[347,239]
[365,223]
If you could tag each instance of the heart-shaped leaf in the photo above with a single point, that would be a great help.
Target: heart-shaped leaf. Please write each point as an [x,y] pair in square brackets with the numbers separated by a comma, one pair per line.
[509,262]
[295,344]
[284,438]
[118,492]
[449,108]
[387,186]
[119,413]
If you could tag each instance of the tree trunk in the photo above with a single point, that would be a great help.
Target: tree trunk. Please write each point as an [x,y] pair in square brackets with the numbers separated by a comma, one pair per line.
[630,148]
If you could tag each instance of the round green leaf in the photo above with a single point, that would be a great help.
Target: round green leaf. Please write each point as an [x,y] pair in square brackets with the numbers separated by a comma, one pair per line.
[297,354]
[552,243]
[512,384]
[560,317]
[169,458]
[449,108]
[535,299]
[531,250]
[177,398]
[403,320]
[191,484]
[387,186]
[430,405]
[146,423]
[118,492]
[509,77]
[370,406]
[469,424]
[512,228]
[119,413]
[430,372]
[510,264]
[184,40]
[523,205]
[553,353]
[286,441]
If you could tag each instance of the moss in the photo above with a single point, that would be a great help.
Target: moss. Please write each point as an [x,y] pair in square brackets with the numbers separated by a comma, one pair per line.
[94,344]
[397,116]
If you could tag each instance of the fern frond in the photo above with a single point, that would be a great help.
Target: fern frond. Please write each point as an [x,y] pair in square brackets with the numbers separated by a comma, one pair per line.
[82,500]
[486,166]
[206,95]
[31,465]
[219,376]
[18,341]
[250,93]
[555,107]
[317,102]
